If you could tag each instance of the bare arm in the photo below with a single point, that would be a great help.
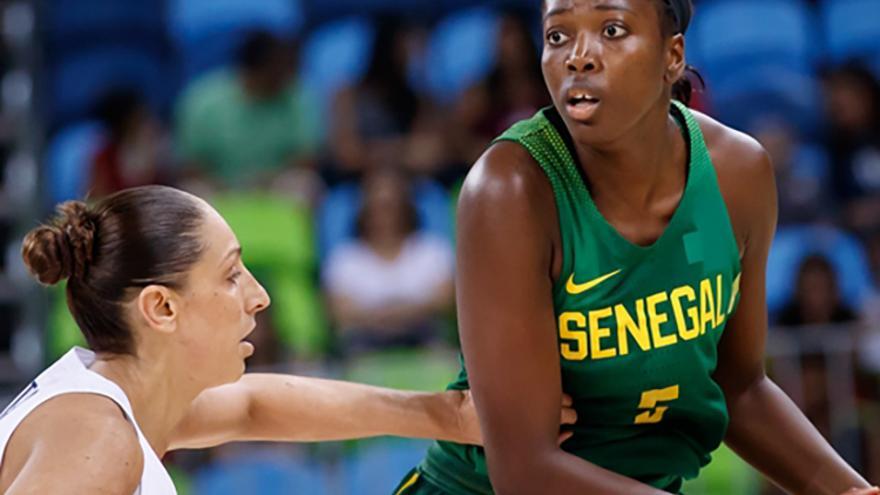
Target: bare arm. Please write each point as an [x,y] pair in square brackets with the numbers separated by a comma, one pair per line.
[292,408]
[76,444]
[782,444]
[505,310]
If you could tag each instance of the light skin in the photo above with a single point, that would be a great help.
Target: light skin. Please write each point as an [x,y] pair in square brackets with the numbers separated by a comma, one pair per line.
[186,388]
[634,158]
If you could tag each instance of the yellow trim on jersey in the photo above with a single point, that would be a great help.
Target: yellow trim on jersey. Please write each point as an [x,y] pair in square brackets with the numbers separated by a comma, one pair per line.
[410,482]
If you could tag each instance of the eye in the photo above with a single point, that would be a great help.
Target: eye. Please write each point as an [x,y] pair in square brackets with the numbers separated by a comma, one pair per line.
[614,31]
[235,276]
[556,38]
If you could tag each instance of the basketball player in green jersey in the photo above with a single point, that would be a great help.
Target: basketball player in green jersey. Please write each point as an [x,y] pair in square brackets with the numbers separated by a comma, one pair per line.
[614,247]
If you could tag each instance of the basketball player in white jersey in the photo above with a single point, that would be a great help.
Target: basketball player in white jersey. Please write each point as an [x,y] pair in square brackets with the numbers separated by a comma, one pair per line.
[156,284]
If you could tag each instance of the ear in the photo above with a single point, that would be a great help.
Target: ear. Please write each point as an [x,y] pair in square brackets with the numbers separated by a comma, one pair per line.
[675,59]
[159,307]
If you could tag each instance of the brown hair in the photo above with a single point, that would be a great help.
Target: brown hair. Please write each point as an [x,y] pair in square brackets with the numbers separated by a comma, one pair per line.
[134,238]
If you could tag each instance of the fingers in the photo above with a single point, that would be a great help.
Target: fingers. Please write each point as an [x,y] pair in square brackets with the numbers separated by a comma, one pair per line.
[863,491]
[567,400]
[568,416]
[565,435]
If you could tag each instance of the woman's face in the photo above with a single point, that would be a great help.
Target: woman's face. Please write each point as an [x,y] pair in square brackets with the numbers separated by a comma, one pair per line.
[607,64]
[218,307]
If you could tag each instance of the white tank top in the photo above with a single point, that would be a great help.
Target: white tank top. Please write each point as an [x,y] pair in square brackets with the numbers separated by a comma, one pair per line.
[69,375]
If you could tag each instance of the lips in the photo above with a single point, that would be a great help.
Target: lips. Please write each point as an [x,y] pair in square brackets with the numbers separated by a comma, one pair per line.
[581,104]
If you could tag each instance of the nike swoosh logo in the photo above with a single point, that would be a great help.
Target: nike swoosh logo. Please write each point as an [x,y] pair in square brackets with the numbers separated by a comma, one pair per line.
[573,288]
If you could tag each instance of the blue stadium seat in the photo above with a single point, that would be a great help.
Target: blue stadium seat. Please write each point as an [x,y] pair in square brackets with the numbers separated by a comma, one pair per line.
[852,29]
[207,32]
[338,213]
[461,51]
[381,465]
[263,473]
[793,244]
[68,161]
[79,80]
[757,54]
[337,54]
[729,35]
[88,18]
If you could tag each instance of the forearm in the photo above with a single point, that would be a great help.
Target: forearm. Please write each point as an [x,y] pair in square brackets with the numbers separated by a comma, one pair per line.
[772,434]
[285,407]
[556,471]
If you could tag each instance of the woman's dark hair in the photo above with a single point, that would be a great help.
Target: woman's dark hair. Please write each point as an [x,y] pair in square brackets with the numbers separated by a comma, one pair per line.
[117,107]
[676,16]
[261,49]
[134,238]
[408,208]
[386,75]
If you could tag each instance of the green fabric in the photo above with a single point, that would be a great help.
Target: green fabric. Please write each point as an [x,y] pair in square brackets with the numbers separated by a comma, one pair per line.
[638,327]
[414,483]
[237,139]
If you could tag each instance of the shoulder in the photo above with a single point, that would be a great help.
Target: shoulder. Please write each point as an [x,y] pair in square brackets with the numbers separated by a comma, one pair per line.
[80,440]
[505,175]
[734,152]
[745,176]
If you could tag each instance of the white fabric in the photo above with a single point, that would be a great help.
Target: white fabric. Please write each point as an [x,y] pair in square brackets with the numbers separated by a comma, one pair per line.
[71,374]
[357,273]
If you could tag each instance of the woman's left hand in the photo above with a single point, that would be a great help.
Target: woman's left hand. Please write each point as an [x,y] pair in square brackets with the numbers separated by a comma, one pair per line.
[469,423]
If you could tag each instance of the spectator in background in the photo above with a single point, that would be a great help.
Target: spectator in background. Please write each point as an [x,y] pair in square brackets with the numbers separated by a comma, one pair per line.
[390,285]
[816,299]
[243,127]
[801,172]
[853,139]
[382,121]
[136,150]
[513,90]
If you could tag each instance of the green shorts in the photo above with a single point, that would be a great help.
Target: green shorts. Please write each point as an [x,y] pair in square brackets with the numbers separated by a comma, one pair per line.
[416,484]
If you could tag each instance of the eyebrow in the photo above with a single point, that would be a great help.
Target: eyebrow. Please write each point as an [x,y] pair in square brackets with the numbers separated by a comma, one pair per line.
[557,11]
[602,7]
[236,251]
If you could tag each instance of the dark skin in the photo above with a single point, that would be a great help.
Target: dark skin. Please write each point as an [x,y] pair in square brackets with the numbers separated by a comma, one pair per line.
[509,256]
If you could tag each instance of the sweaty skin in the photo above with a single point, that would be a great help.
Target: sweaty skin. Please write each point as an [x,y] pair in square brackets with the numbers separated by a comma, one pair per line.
[634,158]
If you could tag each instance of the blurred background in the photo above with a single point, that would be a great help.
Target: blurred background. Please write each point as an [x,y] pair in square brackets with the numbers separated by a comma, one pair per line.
[334,134]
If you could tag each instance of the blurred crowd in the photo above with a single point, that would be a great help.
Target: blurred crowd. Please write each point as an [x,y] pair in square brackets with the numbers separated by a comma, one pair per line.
[334,136]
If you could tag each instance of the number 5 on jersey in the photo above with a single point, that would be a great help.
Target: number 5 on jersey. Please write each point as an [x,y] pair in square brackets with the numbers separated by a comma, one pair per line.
[650,398]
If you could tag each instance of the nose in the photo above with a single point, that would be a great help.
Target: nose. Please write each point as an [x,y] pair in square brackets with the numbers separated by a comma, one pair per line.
[583,57]
[258,299]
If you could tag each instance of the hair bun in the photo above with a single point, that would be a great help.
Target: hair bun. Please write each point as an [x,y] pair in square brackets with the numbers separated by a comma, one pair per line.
[64,248]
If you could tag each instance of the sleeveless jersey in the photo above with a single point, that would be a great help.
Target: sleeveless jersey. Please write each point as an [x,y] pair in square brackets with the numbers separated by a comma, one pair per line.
[71,375]
[637,326]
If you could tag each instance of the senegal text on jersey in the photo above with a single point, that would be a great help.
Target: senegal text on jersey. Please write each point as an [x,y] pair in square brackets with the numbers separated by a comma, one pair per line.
[593,337]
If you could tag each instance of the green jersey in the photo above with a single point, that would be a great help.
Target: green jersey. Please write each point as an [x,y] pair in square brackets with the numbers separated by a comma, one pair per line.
[637,326]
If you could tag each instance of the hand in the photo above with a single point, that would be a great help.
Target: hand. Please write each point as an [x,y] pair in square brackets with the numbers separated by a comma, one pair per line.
[862,491]
[469,423]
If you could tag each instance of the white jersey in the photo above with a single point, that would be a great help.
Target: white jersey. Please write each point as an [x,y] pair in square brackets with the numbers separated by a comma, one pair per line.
[69,375]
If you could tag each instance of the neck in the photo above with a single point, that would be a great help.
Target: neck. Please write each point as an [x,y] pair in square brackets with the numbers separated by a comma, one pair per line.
[640,166]
[158,395]
[387,247]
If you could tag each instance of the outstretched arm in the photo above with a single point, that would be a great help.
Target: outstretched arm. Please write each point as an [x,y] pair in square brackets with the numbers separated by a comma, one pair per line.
[293,408]
[766,428]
